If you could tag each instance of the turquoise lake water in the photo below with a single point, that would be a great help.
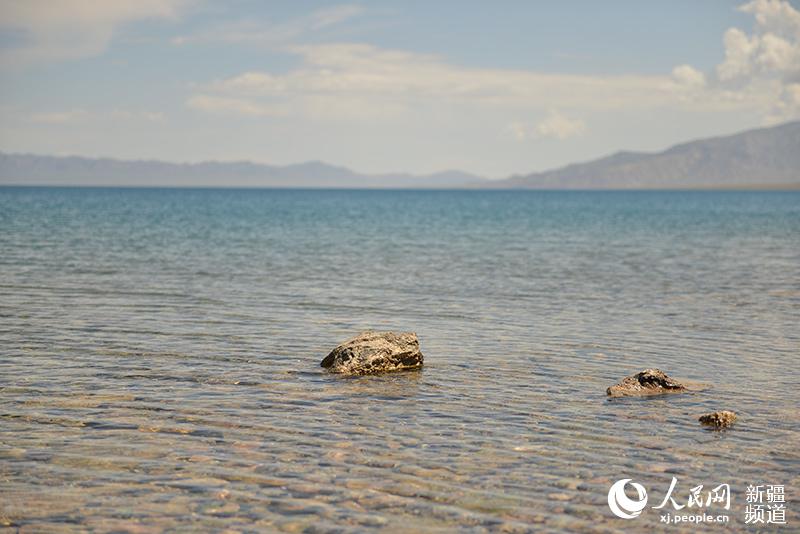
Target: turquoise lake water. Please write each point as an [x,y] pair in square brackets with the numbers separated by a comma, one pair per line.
[160,349]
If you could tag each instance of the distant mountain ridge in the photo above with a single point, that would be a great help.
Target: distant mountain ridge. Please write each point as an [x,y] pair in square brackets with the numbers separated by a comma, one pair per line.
[764,157]
[28,169]
[759,158]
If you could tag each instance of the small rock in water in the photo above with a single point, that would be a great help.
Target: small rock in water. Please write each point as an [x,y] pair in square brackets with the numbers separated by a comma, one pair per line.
[648,382]
[721,419]
[375,352]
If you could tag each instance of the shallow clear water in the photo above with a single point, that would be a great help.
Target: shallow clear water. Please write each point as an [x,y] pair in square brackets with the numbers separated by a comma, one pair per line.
[159,356]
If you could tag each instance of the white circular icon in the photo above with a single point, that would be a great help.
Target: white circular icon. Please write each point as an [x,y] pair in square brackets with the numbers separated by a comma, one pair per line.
[621,504]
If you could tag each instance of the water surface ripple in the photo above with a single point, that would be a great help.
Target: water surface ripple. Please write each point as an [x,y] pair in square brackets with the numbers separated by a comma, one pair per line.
[159,356]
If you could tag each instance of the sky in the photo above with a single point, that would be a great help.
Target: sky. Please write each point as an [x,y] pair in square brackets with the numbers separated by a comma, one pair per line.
[492,88]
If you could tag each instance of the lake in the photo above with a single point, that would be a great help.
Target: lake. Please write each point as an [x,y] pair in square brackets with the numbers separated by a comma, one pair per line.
[160,349]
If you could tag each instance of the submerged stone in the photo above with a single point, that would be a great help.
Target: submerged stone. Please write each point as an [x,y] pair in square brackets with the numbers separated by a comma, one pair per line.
[375,352]
[721,419]
[647,382]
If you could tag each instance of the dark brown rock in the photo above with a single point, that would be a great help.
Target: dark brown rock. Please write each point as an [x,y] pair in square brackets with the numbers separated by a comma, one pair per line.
[648,382]
[721,419]
[375,352]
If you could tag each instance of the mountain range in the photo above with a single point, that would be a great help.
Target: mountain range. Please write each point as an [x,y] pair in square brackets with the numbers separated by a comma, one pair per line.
[28,169]
[764,157]
[759,158]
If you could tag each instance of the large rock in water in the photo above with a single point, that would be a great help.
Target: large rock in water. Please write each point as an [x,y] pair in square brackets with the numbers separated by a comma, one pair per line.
[648,382]
[375,352]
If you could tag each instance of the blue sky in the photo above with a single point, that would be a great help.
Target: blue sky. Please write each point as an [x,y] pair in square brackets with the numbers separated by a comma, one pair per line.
[494,88]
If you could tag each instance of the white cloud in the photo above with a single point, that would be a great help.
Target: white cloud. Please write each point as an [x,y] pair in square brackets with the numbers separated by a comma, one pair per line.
[688,76]
[360,81]
[519,130]
[334,15]
[80,115]
[787,106]
[59,117]
[266,33]
[776,16]
[69,29]
[555,125]
[234,106]
[364,83]
[766,60]
[739,51]
[246,32]
[251,83]
[560,127]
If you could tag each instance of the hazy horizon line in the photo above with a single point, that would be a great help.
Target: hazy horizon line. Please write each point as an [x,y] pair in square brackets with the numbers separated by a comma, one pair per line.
[383,173]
